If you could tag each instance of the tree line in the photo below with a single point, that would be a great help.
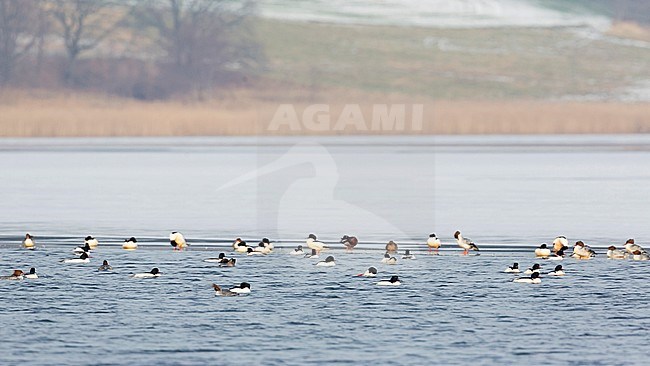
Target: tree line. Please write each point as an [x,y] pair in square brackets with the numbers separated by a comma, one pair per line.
[146,49]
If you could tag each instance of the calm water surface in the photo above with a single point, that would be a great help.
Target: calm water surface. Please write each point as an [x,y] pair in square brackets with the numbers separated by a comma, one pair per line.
[509,194]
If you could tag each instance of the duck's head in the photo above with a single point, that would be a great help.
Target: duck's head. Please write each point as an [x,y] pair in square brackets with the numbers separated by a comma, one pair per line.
[629,241]
[299,247]
[89,238]
[32,270]
[611,247]
[329,259]
[558,267]
[515,265]
[249,250]
[344,238]
[83,255]
[456,234]
[432,235]
[394,279]
[17,273]
[222,255]
[386,255]
[372,270]
[266,241]
[28,236]
[105,263]
[580,243]
[534,275]
[543,246]
[131,239]
[245,285]
[312,236]
[535,266]
[155,271]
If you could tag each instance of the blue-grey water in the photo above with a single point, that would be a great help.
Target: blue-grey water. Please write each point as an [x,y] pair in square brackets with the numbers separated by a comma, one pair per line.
[507,193]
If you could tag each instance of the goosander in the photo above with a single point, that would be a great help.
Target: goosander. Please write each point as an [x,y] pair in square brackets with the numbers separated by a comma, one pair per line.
[393,281]
[386,258]
[559,242]
[542,251]
[230,262]
[559,255]
[312,255]
[155,272]
[631,247]
[17,275]
[613,253]
[640,256]
[263,248]
[220,259]
[350,242]
[370,272]
[268,244]
[408,255]
[513,269]
[32,274]
[582,251]
[84,249]
[297,251]
[220,292]
[391,247]
[328,262]
[82,259]
[313,243]
[177,240]
[433,242]
[534,269]
[243,288]
[252,251]
[534,278]
[91,241]
[105,266]
[130,244]
[465,243]
[240,246]
[28,242]
[558,271]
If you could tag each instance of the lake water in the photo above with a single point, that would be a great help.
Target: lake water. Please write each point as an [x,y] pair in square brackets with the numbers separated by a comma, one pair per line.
[507,193]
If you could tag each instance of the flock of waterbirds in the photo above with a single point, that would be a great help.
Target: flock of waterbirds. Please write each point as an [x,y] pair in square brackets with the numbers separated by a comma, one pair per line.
[554,252]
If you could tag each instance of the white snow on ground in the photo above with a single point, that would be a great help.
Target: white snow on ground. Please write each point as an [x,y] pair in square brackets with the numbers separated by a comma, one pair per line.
[429,13]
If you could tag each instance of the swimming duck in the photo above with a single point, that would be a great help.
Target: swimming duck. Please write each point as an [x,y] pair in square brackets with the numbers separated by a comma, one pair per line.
[177,240]
[268,244]
[631,247]
[350,242]
[513,269]
[582,251]
[370,272]
[391,247]
[542,251]
[534,278]
[28,242]
[155,272]
[613,253]
[559,255]
[297,251]
[640,256]
[558,271]
[32,274]
[220,259]
[220,292]
[328,262]
[230,262]
[313,243]
[433,242]
[263,248]
[559,242]
[465,243]
[105,266]
[130,244]
[82,259]
[91,241]
[386,258]
[243,288]
[251,251]
[393,281]
[312,255]
[408,255]
[533,269]
[17,275]
[84,249]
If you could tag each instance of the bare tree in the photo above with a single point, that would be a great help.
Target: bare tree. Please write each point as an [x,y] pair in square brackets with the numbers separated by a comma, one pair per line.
[202,39]
[83,25]
[18,34]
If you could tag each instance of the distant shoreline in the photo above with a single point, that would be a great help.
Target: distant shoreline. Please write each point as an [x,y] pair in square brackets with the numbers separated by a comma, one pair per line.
[85,116]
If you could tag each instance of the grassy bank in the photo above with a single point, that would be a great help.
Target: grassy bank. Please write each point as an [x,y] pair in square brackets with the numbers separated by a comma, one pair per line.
[89,116]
